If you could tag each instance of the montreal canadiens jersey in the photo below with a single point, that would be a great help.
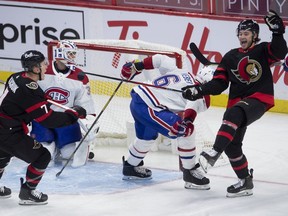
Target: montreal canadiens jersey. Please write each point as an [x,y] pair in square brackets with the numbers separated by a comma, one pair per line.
[68,89]
[166,74]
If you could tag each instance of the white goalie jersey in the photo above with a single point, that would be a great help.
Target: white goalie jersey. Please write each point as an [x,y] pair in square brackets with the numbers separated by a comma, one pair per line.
[166,74]
[68,89]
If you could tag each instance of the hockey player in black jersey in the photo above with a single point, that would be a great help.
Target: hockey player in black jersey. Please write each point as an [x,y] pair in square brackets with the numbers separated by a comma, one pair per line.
[251,94]
[21,102]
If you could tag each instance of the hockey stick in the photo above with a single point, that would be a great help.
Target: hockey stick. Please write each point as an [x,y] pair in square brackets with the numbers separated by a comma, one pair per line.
[199,56]
[95,121]
[128,81]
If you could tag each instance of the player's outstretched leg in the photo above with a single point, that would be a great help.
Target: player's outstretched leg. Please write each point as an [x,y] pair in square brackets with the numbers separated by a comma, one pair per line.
[195,179]
[242,188]
[29,196]
[208,159]
[5,192]
[135,172]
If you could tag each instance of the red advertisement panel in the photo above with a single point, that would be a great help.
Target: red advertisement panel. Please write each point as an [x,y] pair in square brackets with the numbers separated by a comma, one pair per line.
[200,6]
[252,7]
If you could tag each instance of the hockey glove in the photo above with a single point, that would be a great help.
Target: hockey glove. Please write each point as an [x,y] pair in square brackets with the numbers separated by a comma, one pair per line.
[77,112]
[131,69]
[192,92]
[185,127]
[274,22]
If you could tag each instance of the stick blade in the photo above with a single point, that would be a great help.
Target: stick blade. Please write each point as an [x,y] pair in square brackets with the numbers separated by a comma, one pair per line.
[199,56]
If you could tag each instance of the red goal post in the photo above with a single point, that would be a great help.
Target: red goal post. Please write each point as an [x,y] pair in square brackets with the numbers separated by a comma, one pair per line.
[117,47]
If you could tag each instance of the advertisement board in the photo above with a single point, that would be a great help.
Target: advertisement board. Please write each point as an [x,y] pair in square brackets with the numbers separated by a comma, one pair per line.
[34,26]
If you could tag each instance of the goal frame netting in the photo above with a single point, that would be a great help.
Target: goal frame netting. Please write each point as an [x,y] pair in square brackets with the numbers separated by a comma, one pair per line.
[204,135]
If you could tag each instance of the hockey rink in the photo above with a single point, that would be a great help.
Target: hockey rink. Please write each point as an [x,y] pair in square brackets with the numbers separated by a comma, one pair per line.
[97,188]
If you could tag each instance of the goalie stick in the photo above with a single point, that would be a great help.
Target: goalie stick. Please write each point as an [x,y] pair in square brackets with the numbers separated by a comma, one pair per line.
[95,121]
[199,56]
[81,76]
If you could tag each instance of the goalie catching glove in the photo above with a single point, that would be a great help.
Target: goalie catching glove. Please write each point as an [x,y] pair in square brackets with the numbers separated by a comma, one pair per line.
[274,22]
[184,127]
[131,69]
[192,92]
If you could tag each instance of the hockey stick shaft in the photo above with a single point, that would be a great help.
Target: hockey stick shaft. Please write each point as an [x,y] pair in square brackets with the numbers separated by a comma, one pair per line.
[95,121]
[199,56]
[133,82]
[59,105]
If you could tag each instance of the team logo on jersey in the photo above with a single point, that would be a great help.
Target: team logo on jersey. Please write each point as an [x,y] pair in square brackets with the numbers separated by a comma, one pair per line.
[58,94]
[32,85]
[248,70]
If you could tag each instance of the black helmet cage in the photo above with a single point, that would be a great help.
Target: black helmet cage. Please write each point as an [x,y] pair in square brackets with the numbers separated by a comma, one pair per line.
[30,59]
[251,25]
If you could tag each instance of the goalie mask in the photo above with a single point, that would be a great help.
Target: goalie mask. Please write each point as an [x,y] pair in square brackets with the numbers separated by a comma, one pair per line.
[205,74]
[66,52]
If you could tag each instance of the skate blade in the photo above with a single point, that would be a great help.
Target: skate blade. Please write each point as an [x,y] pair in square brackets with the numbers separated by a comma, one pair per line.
[30,202]
[189,185]
[6,196]
[240,194]
[131,178]
[204,164]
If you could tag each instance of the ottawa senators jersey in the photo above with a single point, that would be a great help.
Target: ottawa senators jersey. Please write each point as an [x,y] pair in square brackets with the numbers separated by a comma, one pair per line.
[248,72]
[23,100]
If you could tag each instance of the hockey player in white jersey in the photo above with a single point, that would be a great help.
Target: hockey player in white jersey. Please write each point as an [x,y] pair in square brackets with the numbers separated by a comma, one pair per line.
[166,112]
[67,85]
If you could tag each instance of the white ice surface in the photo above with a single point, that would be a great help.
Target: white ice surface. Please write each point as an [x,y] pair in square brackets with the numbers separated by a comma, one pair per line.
[97,189]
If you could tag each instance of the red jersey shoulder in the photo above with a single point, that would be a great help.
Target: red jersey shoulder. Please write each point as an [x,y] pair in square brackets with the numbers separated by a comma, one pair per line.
[79,75]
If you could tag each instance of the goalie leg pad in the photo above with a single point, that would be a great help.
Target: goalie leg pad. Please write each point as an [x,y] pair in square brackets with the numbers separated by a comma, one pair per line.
[81,155]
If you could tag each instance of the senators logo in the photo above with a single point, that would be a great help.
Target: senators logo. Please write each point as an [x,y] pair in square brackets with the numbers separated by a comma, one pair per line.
[248,70]
[32,85]
[58,94]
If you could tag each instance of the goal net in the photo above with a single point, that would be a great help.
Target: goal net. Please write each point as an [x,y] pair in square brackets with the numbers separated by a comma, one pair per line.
[105,58]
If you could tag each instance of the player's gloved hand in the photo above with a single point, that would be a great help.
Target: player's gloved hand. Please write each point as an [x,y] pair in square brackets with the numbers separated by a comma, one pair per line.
[131,69]
[184,127]
[274,22]
[77,112]
[192,92]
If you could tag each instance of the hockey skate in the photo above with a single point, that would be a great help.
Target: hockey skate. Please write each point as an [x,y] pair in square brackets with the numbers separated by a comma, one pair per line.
[242,188]
[5,192]
[31,197]
[208,159]
[194,179]
[135,172]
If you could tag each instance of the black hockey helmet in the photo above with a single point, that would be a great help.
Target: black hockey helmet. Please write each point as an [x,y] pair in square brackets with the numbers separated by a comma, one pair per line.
[31,58]
[251,25]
